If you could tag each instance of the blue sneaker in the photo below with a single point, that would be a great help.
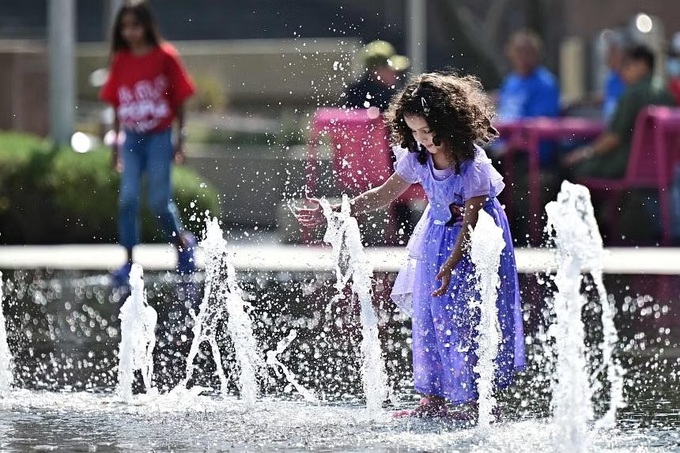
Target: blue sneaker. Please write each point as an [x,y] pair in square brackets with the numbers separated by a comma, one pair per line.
[186,263]
[121,276]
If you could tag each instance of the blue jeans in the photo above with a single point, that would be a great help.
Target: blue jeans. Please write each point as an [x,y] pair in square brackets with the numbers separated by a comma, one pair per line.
[150,153]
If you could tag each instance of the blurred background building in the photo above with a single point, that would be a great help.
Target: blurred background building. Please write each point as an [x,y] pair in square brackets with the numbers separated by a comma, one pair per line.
[468,35]
[261,66]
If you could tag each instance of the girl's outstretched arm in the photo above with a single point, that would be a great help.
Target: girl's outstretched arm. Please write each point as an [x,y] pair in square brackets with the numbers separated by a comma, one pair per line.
[380,196]
[368,201]
[470,216]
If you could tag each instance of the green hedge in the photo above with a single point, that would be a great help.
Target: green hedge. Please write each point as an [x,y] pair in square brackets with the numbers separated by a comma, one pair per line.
[50,196]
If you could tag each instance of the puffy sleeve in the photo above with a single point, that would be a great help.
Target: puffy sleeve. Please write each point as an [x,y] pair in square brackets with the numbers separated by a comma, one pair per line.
[481,178]
[406,165]
[109,91]
[181,86]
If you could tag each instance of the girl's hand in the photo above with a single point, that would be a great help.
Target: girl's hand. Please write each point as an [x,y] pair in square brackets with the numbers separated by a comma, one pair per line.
[310,217]
[470,216]
[179,155]
[444,276]
[116,162]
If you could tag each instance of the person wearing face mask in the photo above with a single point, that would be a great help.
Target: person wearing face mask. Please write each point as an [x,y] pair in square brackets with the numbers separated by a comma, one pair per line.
[673,67]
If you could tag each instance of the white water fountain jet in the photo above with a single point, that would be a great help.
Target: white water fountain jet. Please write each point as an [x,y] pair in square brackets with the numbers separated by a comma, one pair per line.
[274,362]
[609,364]
[615,371]
[222,303]
[578,246]
[6,360]
[487,244]
[353,263]
[138,337]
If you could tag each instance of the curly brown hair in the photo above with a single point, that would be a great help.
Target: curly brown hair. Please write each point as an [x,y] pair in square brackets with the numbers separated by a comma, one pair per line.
[456,109]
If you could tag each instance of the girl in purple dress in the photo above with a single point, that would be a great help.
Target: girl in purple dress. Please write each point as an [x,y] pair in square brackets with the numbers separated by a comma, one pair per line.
[440,120]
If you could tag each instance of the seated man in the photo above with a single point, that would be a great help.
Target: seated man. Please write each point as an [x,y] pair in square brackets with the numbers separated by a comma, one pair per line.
[607,156]
[378,84]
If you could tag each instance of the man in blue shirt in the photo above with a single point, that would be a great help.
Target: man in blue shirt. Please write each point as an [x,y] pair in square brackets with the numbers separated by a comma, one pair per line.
[530,90]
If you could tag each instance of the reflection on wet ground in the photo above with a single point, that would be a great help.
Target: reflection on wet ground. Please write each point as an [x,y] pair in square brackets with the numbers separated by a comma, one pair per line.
[63,331]
[94,422]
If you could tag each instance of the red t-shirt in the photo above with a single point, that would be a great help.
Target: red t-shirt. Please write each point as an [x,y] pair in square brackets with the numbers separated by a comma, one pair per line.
[146,90]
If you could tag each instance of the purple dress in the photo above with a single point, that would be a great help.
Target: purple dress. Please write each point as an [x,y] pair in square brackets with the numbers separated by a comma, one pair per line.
[444,327]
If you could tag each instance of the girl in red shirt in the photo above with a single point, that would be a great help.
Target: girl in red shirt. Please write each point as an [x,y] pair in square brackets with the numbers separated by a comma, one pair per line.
[147,87]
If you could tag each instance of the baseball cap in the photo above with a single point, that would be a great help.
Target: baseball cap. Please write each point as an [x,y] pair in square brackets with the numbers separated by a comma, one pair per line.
[381,53]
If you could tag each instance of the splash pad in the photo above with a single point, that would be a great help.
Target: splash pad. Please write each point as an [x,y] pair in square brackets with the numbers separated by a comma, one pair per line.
[307,388]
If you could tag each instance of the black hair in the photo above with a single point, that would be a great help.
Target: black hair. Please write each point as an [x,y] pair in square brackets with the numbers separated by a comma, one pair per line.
[456,110]
[140,9]
[641,52]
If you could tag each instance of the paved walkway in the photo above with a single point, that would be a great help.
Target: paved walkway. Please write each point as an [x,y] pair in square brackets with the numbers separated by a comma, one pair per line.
[277,257]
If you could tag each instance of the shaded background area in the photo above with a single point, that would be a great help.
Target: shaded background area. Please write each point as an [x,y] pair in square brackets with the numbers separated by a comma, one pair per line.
[468,34]
[262,67]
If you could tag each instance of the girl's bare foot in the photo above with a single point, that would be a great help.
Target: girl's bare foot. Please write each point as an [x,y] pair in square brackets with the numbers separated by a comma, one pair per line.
[430,407]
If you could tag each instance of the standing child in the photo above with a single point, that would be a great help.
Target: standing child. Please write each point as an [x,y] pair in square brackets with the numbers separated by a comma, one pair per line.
[147,87]
[440,120]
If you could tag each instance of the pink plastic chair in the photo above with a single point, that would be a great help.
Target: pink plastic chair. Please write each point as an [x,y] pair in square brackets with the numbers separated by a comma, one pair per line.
[655,150]
[360,149]
[361,155]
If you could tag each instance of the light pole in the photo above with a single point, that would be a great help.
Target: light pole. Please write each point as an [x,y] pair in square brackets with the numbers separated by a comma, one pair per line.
[110,12]
[61,56]
[416,34]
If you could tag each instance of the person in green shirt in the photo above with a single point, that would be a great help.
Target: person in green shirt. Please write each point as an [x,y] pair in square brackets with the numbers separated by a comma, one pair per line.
[607,156]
